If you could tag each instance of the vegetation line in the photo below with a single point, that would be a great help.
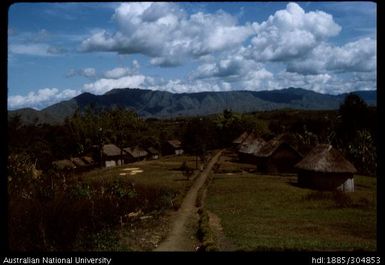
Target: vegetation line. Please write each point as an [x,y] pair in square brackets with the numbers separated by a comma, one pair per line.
[205,234]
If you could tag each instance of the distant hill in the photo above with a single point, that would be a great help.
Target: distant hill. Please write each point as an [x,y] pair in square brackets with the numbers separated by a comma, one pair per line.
[162,104]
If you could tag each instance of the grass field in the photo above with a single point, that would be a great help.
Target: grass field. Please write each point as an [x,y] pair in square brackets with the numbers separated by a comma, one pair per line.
[161,173]
[263,213]
[159,186]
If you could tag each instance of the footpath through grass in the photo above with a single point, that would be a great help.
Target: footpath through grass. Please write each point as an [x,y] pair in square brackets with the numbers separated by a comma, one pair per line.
[262,213]
[143,192]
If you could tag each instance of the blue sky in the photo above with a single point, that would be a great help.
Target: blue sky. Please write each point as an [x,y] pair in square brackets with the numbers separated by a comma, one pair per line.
[59,50]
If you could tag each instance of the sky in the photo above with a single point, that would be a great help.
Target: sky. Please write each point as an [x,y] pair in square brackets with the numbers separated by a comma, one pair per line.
[57,51]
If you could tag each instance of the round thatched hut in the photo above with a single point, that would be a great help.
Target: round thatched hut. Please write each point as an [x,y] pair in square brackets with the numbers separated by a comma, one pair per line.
[277,156]
[325,168]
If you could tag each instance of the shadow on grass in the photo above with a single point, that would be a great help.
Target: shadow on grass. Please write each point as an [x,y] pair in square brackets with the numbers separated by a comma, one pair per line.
[296,184]
[181,179]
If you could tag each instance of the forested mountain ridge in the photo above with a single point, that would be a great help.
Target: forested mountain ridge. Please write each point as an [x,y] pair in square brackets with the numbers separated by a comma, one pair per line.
[162,104]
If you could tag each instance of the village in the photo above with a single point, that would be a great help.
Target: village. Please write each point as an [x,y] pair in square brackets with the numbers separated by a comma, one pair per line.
[193,127]
[322,168]
[264,181]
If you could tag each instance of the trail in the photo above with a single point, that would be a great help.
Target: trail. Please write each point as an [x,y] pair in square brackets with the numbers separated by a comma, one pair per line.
[182,234]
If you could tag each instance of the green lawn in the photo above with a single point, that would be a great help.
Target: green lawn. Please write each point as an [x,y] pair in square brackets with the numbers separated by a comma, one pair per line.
[158,175]
[261,212]
[163,173]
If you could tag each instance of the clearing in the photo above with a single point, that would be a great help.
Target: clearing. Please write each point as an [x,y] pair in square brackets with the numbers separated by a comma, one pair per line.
[271,213]
[160,187]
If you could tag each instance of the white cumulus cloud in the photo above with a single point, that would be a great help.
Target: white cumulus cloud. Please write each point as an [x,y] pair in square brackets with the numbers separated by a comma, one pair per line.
[291,33]
[191,86]
[357,56]
[104,85]
[119,72]
[167,34]
[41,98]
[246,74]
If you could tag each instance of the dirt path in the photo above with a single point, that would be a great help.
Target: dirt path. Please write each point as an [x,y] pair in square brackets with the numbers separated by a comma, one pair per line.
[182,235]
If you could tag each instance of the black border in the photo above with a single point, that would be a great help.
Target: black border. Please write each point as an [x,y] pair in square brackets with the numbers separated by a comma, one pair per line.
[192,257]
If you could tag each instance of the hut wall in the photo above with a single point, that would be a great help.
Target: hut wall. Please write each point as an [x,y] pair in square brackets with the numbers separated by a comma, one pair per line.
[347,186]
[140,158]
[262,164]
[179,152]
[171,150]
[235,146]
[281,161]
[247,158]
[284,159]
[128,159]
[326,181]
[154,156]
[111,162]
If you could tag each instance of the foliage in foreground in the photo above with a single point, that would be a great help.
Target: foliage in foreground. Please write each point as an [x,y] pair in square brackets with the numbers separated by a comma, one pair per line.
[61,212]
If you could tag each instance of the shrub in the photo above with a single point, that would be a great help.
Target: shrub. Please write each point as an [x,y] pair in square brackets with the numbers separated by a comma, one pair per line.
[186,170]
[204,232]
[63,221]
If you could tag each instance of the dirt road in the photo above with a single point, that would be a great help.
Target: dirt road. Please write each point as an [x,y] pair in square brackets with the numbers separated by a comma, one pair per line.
[182,234]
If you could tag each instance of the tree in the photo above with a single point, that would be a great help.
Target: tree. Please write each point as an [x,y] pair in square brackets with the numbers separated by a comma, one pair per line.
[362,151]
[354,115]
[356,132]
[186,170]
[199,136]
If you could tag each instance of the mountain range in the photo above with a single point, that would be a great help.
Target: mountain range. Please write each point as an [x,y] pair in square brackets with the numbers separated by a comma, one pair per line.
[162,104]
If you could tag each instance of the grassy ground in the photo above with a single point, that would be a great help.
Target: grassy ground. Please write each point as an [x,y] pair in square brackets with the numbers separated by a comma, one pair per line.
[262,212]
[163,172]
[157,179]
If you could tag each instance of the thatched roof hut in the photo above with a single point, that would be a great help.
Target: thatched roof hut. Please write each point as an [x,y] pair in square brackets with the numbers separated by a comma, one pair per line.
[240,139]
[326,168]
[325,158]
[253,146]
[78,162]
[135,153]
[88,160]
[249,145]
[64,164]
[153,153]
[110,150]
[174,147]
[249,139]
[112,155]
[277,155]
[175,143]
[151,150]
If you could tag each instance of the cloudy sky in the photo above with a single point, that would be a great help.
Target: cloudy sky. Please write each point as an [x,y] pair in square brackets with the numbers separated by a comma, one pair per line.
[59,50]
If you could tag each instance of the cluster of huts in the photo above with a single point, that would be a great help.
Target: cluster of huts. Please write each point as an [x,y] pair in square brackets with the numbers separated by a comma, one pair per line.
[324,167]
[112,155]
[75,163]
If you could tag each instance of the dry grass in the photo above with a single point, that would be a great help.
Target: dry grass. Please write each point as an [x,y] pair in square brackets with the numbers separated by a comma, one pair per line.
[260,212]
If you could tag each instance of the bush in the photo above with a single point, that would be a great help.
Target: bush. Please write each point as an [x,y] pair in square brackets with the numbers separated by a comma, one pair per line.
[64,221]
[22,174]
[204,232]
[186,170]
